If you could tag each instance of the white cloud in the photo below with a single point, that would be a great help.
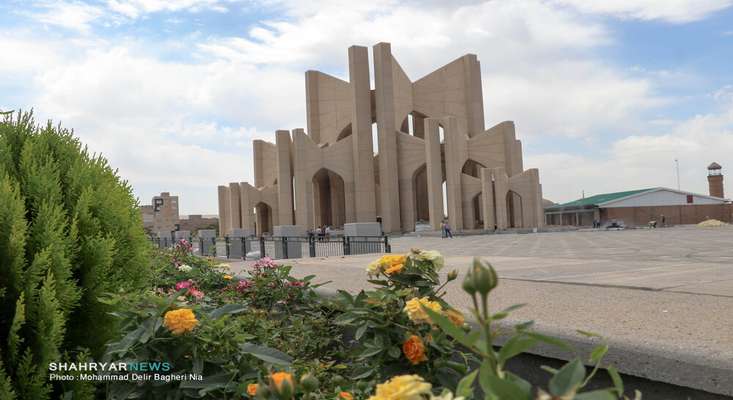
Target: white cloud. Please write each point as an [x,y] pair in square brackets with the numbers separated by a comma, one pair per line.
[70,15]
[642,161]
[187,126]
[135,8]
[674,11]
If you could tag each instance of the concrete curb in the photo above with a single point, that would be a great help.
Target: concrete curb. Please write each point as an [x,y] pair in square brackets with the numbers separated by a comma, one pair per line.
[682,369]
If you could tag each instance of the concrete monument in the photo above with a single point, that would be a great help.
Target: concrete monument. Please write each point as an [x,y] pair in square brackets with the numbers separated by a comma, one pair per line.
[431,141]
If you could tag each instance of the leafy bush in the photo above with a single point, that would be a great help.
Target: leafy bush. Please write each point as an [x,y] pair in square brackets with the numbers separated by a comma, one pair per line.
[70,230]
[392,334]
[198,340]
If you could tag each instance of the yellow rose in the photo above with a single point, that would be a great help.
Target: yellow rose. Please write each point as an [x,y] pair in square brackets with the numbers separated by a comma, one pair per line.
[395,269]
[402,387]
[414,350]
[455,317]
[389,264]
[279,377]
[417,314]
[374,268]
[227,277]
[433,256]
[252,389]
[180,321]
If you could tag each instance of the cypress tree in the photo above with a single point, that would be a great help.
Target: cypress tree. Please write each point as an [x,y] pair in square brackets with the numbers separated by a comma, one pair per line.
[70,230]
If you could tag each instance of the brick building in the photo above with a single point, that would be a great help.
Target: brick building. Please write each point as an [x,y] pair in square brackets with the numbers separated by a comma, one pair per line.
[639,207]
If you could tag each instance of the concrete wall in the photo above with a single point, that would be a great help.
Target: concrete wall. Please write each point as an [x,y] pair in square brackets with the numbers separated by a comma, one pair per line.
[674,215]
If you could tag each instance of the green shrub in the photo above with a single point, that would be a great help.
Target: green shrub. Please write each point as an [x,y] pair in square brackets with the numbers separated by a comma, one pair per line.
[70,230]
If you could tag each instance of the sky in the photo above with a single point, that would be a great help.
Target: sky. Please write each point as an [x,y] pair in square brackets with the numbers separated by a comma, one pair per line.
[605,95]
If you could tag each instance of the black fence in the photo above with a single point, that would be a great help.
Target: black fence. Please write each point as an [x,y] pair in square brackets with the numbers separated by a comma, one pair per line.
[284,247]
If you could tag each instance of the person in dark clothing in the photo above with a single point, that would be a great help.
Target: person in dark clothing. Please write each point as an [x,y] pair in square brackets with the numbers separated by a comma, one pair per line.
[448,233]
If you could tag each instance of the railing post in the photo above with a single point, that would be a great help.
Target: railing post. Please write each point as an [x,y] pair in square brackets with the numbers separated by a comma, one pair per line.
[262,246]
[284,243]
[347,245]
[201,247]
[387,247]
[226,245]
[312,246]
[244,247]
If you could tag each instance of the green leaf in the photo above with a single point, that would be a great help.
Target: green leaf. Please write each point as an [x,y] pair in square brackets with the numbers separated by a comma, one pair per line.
[549,340]
[588,334]
[394,352]
[568,378]
[448,327]
[596,395]
[266,354]
[465,386]
[514,346]
[227,309]
[598,352]
[618,383]
[370,351]
[513,307]
[506,390]
[360,331]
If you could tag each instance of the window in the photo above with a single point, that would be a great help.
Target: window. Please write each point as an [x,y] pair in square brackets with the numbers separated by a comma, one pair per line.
[689,199]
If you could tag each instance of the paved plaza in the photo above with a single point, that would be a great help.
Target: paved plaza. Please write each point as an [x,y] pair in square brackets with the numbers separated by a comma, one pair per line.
[664,297]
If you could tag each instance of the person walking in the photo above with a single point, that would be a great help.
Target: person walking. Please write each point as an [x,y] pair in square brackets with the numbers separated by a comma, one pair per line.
[442,229]
[447,231]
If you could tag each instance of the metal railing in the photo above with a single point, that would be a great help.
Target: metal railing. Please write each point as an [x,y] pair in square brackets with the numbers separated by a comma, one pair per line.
[278,247]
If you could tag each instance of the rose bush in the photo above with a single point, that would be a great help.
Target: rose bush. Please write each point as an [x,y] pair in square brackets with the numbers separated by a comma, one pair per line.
[400,340]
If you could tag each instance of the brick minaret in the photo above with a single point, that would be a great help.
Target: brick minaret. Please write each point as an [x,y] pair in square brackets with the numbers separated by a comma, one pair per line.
[715,180]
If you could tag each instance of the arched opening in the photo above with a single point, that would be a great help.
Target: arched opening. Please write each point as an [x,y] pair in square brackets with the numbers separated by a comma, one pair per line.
[514,211]
[478,211]
[329,199]
[420,190]
[414,124]
[472,168]
[346,132]
[263,219]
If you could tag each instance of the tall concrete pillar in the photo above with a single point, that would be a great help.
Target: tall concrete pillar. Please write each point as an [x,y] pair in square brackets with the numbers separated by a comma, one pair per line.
[247,208]
[224,210]
[258,155]
[453,142]
[487,199]
[361,126]
[234,206]
[388,165]
[434,172]
[303,181]
[501,188]
[312,106]
[284,178]
[473,94]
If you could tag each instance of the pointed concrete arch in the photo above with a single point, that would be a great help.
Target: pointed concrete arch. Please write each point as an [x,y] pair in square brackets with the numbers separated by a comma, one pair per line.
[329,198]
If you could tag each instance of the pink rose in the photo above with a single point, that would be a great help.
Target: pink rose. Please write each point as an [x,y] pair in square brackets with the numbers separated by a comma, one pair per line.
[184,284]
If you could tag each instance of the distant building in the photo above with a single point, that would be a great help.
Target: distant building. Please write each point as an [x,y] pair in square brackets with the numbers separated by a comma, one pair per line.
[639,207]
[194,222]
[161,217]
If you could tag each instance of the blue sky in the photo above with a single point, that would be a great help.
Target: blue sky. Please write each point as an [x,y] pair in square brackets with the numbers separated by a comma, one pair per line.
[605,95]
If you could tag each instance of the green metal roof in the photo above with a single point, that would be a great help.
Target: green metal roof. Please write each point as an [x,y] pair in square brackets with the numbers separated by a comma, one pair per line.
[597,199]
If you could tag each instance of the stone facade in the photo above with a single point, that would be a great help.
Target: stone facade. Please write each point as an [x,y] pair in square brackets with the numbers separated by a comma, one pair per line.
[161,216]
[431,141]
